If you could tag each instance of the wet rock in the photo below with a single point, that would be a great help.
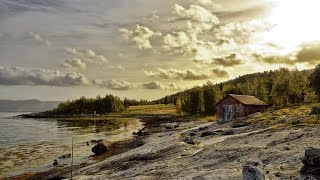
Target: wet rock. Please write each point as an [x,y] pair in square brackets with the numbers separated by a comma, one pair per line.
[315,110]
[311,161]
[170,125]
[192,133]
[65,156]
[228,132]
[208,133]
[99,149]
[250,172]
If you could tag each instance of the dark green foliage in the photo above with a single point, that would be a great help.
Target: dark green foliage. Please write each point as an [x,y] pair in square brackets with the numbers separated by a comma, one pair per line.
[315,81]
[108,104]
[279,88]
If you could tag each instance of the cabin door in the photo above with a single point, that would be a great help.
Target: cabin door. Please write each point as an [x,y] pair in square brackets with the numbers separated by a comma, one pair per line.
[229,112]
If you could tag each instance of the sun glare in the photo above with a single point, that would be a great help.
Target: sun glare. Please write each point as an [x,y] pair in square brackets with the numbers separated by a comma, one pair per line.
[295,22]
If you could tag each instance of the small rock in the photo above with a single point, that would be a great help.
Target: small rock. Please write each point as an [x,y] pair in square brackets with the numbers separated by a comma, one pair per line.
[99,149]
[229,132]
[192,133]
[278,174]
[208,133]
[287,148]
[190,140]
[65,156]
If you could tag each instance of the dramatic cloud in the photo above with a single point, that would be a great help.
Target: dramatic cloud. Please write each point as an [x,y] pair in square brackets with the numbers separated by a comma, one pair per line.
[228,61]
[88,56]
[35,77]
[152,85]
[220,73]
[141,36]
[155,85]
[307,54]
[80,59]
[118,85]
[40,39]
[74,63]
[187,74]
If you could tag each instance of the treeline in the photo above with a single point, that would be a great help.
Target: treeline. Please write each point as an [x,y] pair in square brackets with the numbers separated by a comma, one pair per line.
[282,87]
[99,105]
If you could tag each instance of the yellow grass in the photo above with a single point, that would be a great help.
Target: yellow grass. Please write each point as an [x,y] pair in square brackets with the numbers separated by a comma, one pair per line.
[291,115]
[158,109]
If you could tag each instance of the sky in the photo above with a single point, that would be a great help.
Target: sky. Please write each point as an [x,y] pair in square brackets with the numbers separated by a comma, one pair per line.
[146,49]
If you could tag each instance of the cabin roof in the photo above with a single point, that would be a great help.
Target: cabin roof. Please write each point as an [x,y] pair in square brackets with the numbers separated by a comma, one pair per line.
[248,100]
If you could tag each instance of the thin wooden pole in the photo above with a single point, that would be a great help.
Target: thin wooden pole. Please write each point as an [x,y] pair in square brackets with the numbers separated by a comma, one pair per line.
[72,157]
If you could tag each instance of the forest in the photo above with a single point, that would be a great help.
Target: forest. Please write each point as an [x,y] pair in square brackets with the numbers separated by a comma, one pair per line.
[278,88]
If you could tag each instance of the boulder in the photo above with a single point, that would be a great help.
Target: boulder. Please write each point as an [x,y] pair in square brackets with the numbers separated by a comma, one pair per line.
[312,157]
[208,133]
[170,125]
[99,149]
[311,161]
[251,172]
[315,110]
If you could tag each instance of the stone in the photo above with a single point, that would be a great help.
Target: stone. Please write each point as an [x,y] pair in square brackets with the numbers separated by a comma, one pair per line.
[250,172]
[189,140]
[312,157]
[65,156]
[311,161]
[208,133]
[315,110]
[55,162]
[228,132]
[99,149]
[192,133]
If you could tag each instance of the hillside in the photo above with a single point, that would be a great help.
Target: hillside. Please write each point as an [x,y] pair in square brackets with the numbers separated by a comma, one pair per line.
[31,105]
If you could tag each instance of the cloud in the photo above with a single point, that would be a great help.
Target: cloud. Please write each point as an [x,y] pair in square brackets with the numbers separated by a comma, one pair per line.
[80,59]
[187,74]
[155,85]
[220,73]
[152,85]
[232,59]
[178,42]
[140,35]
[307,54]
[38,77]
[118,85]
[196,13]
[210,4]
[40,39]
[88,56]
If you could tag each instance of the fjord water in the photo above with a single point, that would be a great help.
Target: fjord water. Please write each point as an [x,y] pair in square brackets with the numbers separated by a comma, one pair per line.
[32,144]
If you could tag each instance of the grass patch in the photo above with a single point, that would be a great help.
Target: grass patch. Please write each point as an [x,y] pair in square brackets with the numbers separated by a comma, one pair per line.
[290,116]
[158,109]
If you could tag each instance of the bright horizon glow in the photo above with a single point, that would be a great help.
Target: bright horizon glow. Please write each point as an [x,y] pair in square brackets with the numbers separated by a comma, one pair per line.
[295,23]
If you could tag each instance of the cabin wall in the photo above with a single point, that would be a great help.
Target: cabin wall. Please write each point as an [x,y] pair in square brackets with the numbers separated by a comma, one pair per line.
[229,109]
[250,109]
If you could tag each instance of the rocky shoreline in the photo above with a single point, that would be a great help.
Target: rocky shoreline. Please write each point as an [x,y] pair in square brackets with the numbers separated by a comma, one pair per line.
[185,149]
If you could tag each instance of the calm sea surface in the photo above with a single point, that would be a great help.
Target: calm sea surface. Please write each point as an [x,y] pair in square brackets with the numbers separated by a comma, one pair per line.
[31,145]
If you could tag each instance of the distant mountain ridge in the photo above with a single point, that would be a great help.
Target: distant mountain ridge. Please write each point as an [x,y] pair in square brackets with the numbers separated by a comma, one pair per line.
[32,105]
